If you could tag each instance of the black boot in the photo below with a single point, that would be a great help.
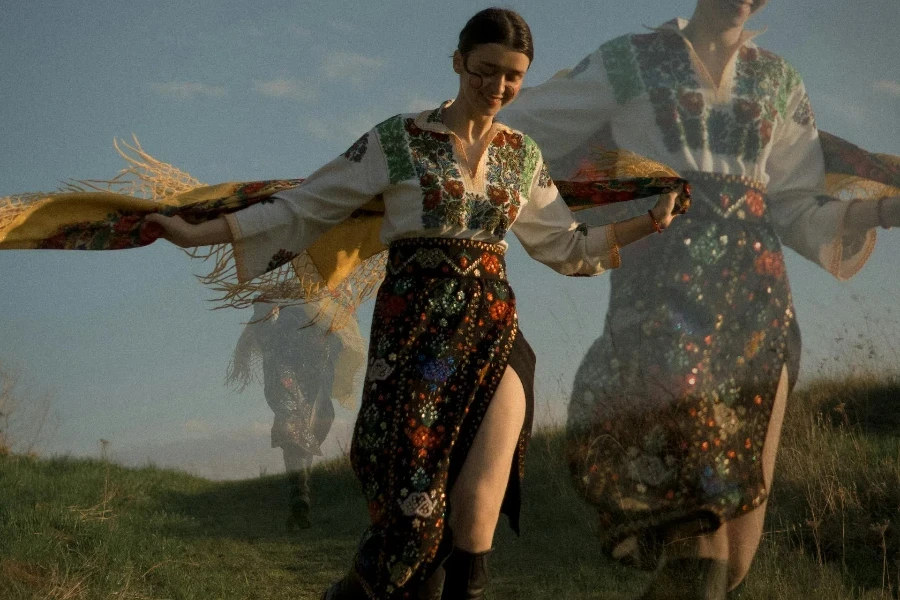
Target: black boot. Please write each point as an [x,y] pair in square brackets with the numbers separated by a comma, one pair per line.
[466,575]
[689,579]
[298,497]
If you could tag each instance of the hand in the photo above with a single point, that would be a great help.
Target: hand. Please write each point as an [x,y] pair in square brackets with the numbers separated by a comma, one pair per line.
[174,229]
[664,211]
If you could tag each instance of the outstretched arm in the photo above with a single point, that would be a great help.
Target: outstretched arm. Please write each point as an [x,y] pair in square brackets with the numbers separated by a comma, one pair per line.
[186,235]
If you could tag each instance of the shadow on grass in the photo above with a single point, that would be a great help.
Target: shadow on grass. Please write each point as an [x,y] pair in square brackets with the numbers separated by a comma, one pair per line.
[257,509]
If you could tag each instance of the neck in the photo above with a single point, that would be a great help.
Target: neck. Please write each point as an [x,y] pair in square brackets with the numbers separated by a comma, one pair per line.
[707,34]
[466,124]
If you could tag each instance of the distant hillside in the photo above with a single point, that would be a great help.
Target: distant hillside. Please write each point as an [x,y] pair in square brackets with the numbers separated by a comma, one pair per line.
[79,529]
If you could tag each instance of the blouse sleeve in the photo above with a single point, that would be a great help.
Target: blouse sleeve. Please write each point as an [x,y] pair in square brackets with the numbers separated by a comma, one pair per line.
[806,219]
[550,234]
[269,234]
[566,112]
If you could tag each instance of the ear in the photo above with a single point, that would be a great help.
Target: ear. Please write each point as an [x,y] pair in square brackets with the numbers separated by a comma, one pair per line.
[458,62]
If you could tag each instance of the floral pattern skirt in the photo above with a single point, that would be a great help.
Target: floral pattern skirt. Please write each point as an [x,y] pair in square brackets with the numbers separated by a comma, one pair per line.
[671,405]
[444,329]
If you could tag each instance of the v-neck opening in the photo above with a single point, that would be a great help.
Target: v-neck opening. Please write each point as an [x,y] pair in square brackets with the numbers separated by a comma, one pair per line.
[431,120]
[474,178]
[721,89]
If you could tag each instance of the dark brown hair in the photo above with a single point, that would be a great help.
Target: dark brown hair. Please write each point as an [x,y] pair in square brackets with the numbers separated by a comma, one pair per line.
[497,26]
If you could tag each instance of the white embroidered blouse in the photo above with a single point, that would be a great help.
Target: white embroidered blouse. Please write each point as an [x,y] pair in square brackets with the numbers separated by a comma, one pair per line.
[650,94]
[413,161]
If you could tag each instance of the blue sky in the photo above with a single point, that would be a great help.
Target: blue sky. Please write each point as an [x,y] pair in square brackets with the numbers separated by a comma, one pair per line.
[229,91]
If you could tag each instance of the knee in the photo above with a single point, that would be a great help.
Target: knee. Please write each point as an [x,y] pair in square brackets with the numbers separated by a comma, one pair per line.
[472,509]
[737,571]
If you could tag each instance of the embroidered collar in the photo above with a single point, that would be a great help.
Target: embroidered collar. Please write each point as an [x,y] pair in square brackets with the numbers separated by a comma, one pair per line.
[678,24]
[433,120]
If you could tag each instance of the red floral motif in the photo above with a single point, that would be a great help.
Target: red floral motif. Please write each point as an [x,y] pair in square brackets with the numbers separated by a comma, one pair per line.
[692,102]
[770,263]
[251,188]
[500,310]
[428,180]
[454,188]
[497,195]
[513,212]
[120,242]
[765,131]
[423,437]
[490,263]
[432,199]
[755,203]
[746,110]
[126,224]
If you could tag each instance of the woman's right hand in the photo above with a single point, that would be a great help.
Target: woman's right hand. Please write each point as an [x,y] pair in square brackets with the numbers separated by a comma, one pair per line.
[186,235]
[664,211]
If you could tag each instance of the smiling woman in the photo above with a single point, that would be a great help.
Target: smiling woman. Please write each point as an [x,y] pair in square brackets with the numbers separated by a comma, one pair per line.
[447,405]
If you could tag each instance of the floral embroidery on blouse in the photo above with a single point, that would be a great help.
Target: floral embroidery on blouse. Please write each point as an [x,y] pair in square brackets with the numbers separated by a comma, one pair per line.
[392,135]
[544,179]
[357,151]
[804,114]
[280,258]
[412,152]
[660,64]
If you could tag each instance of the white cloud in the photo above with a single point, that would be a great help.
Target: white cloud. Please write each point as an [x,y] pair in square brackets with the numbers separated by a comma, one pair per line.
[350,66]
[293,89]
[188,90]
[888,86]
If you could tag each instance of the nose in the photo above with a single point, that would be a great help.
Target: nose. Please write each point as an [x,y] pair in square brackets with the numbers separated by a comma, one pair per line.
[495,84]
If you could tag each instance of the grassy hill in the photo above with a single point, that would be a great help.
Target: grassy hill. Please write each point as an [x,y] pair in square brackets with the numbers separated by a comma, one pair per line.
[80,529]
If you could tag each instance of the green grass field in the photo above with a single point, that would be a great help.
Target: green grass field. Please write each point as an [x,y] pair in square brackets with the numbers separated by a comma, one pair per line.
[80,529]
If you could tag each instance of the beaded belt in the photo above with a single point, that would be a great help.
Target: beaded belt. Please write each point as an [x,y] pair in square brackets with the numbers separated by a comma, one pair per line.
[446,257]
[728,196]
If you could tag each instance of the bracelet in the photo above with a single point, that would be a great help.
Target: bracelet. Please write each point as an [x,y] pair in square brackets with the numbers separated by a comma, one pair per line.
[878,207]
[656,226]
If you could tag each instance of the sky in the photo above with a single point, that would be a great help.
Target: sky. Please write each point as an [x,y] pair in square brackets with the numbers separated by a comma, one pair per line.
[126,342]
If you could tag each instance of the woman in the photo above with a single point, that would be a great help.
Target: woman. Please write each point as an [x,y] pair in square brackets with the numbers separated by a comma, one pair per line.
[676,409]
[304,364]
[446,410]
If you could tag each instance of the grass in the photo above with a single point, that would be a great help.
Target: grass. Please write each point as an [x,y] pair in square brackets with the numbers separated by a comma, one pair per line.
[82,529]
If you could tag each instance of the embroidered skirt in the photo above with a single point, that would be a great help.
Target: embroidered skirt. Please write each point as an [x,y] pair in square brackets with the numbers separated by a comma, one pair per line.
[671,405]
[443,331]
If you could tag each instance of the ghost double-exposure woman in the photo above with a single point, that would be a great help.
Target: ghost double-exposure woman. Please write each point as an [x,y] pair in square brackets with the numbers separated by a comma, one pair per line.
[676,409]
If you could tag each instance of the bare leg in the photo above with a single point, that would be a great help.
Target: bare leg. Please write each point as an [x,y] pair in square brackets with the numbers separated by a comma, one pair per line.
[477,494]
[738,540]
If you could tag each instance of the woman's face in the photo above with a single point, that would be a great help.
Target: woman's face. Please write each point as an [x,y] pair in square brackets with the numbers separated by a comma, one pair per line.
[730,13]
[490,77]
